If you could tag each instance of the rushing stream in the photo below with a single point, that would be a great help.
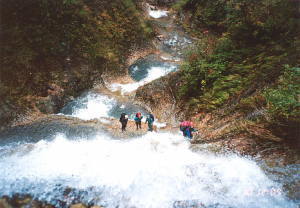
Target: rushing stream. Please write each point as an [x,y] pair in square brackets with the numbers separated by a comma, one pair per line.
[144,71]
[94,106]
[157,170]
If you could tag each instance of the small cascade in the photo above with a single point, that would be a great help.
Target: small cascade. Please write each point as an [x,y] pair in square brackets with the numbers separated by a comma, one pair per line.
[144,71]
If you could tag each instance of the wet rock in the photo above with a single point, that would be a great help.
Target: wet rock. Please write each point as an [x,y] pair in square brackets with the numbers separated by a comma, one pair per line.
[4,203]
[6,115]
[79,205]
[38,204]
[160,37]
[49,126]
[152,7]
[53,101]
[20,200]
[46,105]
[51,97]
[160,97]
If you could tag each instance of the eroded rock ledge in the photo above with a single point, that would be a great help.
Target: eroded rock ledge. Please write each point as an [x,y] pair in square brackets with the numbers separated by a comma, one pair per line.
[160,96]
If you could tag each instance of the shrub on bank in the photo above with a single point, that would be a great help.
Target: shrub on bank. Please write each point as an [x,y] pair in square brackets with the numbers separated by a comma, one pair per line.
[254,60]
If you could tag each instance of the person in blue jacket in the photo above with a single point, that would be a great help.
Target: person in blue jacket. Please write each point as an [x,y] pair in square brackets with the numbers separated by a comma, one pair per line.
[187,129]
[189,132]
[150,120]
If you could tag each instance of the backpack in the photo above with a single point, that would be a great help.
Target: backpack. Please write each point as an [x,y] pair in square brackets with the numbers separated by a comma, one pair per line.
[123,116]
[151,116]
[185,124]
[182,126]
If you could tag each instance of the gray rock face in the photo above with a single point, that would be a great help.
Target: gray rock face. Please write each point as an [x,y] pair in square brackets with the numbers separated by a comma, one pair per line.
[160,96]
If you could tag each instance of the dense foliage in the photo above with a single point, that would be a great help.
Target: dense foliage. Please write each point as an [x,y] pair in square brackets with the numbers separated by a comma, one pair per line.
[65,42]
[42,36]
[248,56]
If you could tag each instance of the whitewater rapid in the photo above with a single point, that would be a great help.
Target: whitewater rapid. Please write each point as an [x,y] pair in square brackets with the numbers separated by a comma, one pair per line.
[152,73]
[90,106]
[158,13]
[152,171]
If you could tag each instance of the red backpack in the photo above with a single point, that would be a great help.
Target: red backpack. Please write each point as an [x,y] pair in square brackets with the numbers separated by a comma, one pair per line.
[186,124]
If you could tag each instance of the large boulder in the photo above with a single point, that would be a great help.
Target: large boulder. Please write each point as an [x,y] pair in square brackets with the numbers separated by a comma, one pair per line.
[160,97]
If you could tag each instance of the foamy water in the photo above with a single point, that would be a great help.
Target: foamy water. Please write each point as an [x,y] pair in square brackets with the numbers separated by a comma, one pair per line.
[155,171]
[91,106]
[153,73]
[167,58]
[158,13]
[101,107]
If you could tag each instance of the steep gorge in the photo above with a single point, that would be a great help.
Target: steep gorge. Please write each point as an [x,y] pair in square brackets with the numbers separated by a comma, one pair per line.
[78,157]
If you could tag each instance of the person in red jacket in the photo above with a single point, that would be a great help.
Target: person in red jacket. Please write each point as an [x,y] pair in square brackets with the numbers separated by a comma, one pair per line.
[138,120]
[187,129]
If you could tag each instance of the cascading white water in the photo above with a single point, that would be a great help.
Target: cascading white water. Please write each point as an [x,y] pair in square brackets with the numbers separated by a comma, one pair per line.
[94,106]
[156,170]
[158,13]
[101,107]
[153,73]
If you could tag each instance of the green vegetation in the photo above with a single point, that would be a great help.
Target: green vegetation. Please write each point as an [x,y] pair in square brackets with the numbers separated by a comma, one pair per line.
[283,99]
[39,35]
[248,57]
[66,42]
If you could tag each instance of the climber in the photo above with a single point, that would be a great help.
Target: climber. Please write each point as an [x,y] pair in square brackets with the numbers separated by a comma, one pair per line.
[138,120]
[183,126]
[189,132]
[124,120]
[187,129]
[151,116]
[150,120]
